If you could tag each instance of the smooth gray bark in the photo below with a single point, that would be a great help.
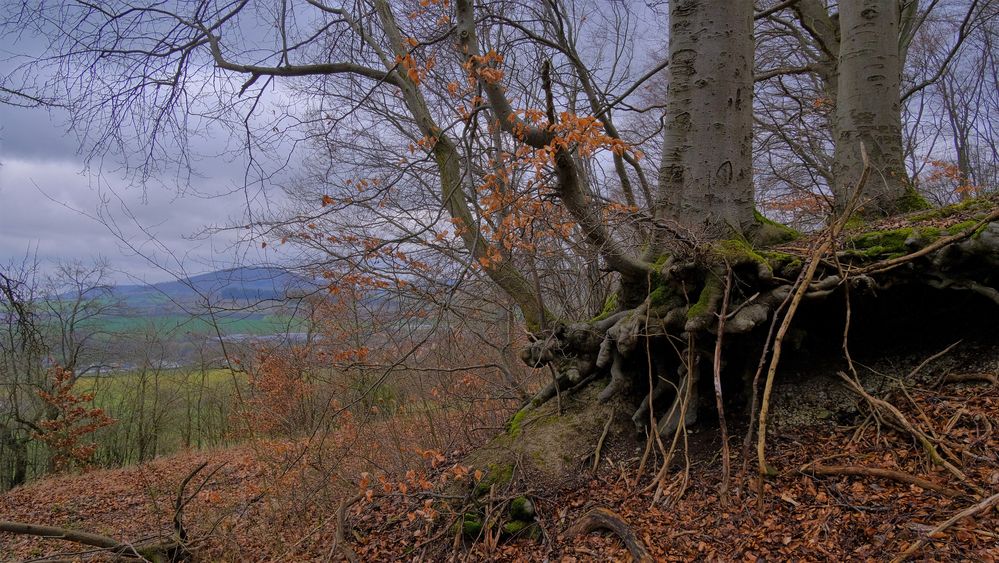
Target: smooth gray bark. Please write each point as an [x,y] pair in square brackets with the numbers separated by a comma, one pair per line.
[868,106]
[706,179]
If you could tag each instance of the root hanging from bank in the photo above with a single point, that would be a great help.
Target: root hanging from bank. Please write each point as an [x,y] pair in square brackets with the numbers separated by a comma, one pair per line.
[725,311]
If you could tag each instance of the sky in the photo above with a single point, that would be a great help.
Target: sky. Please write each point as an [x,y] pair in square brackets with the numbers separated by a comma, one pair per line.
[52,206]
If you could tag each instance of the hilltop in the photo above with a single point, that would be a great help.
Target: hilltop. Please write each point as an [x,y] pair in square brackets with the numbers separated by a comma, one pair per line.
[245,285]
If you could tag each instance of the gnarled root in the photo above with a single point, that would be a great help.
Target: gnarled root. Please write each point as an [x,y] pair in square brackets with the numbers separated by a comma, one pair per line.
[684,407]
[604,519]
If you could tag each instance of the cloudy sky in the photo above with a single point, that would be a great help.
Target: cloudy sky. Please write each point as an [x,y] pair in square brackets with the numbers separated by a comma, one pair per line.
[50,204]
[53,206]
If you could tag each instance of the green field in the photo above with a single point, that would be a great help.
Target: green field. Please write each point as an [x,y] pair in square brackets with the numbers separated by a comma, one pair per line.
[162,411]
[178,324]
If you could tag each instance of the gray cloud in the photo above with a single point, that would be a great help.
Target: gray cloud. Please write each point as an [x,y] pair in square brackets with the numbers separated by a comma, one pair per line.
[50,207]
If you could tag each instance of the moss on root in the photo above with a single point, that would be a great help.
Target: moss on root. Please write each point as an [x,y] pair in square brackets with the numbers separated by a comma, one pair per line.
[891,243]
[783,264]
[769,232]
[710,293]
[875,244]
[737,251]
[610,307]
[660,296]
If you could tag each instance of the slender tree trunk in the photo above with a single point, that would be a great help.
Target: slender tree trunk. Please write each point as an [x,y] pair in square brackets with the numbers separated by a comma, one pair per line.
[706,180]
[17,471]
[868,107]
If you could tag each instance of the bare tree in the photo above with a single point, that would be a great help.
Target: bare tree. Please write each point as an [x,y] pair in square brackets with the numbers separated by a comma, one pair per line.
[448,148]
[55,324]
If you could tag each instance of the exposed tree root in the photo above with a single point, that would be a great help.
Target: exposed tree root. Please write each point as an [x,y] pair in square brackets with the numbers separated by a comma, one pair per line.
[604,519]
[939,244]
[891,474]
[635,352]
[719,399]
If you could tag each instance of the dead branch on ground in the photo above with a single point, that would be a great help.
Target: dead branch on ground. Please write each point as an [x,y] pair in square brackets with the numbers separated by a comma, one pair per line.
[891,474]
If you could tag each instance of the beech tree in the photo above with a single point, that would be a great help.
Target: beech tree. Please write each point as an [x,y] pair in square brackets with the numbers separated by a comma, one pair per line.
[843,68]
[485,141]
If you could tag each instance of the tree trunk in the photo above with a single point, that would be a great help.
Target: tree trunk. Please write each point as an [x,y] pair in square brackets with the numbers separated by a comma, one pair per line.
[706,180]
[868,107]
[15,471]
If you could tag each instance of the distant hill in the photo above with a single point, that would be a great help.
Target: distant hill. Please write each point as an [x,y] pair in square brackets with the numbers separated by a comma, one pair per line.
[250,301]
[243,286]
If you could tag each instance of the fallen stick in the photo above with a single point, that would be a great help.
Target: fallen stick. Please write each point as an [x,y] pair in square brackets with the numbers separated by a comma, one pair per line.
[340,539]
[971,377]
[87,538]
[970,511]
[890,474]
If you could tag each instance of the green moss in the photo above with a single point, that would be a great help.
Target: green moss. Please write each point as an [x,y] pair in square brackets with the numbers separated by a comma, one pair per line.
[890,243]
[712,289]
[963,226]
[769,232]
[610,307]
[514,527]
[737,251]
[514,426]
[911,201]
[470,524]
[521,508]
[855,222]
[660,296]
[783,264]
[496,474]
[660,263]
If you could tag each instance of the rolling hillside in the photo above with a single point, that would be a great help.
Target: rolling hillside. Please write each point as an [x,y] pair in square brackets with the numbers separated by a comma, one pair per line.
[239,301]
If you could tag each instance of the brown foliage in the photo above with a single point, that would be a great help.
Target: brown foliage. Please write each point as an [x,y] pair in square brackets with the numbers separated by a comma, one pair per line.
[73,420]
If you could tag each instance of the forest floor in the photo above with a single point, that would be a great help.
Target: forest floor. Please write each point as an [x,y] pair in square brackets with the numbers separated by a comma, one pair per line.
[276,501]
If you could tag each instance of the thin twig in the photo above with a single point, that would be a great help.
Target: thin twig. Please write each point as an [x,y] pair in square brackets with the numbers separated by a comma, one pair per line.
[726,457]
[890,474]
[803,283]
[600,442]
[970,511]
